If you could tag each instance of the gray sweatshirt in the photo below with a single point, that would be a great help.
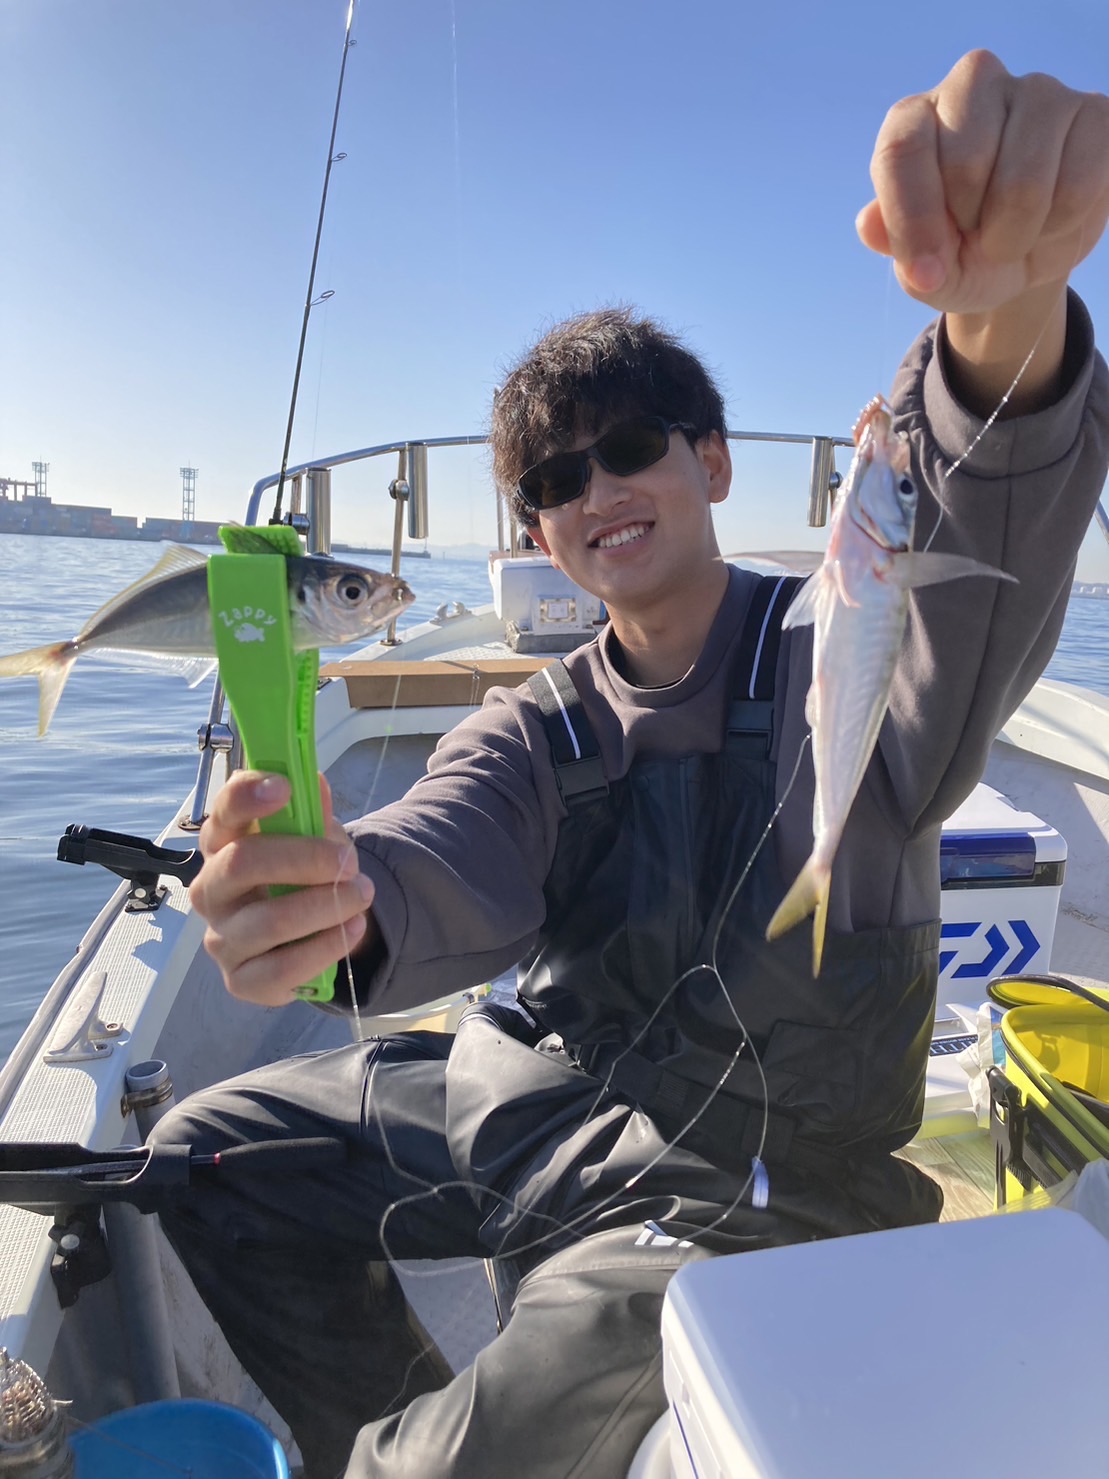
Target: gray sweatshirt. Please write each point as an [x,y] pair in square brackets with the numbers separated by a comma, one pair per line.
[460,862]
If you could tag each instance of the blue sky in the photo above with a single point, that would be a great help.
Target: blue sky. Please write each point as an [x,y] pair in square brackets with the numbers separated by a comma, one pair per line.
[508,163]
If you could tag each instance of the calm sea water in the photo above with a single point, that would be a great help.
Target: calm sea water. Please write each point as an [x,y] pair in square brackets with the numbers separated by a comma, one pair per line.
[121,752]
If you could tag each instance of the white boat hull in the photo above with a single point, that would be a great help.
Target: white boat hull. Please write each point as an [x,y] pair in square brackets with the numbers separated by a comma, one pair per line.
[153,981]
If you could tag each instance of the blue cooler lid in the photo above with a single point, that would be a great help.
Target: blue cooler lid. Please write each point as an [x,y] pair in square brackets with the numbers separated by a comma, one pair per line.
[990,843]
[206,1439]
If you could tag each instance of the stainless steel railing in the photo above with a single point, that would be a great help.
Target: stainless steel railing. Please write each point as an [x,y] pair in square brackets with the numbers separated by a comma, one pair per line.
[309,509]
[413,456]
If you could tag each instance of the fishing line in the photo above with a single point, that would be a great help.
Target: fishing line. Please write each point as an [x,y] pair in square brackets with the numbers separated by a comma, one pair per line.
[891,281]
[351,849]
[559,1225]
[1002,403]
[712,965]
[332,158]
[1005,398]
[359,1035]
[319,385]
[454,103]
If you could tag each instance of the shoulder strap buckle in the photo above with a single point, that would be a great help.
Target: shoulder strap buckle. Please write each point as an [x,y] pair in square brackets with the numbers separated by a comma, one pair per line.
[751,714]
[578,767]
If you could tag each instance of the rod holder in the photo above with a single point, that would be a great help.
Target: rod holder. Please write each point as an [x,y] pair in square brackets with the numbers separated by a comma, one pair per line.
[823,480]
[318,509]
[414,472]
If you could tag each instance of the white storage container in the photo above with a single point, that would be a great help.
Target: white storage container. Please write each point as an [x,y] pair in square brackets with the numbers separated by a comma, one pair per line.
[542,608]
[957,1348]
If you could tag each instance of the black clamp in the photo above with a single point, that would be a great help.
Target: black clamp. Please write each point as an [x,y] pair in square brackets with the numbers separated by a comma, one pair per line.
[1007,1132]
[137,859]
[298,521]
[81,1254]
[1027,1143]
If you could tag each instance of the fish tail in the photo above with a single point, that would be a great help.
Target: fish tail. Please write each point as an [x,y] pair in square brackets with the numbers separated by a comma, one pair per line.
[820,922]
[51,666]
[808,895]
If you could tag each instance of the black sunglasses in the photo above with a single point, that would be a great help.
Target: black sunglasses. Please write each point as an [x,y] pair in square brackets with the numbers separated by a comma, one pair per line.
[627,447]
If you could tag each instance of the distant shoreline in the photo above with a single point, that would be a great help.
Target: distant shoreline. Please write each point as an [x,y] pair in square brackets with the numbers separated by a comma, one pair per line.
[464,552]
[363,549]
[43,518]
[130,536]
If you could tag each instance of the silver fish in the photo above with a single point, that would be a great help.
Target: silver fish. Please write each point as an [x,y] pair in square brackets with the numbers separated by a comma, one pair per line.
[166,613]
[858,603]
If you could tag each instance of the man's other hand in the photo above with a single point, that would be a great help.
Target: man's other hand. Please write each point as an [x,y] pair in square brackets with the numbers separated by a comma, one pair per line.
[268,945]
[988,186]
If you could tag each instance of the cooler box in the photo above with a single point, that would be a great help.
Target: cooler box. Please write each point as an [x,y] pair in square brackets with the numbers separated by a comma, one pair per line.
[541,607]
[1001,872]
[1049,1106]
[957,1348]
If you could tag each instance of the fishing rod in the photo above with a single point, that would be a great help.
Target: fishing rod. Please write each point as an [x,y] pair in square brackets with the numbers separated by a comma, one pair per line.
[309,302]
[73,1184]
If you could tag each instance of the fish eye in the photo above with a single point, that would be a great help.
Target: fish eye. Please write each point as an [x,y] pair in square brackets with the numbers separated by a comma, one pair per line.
[353,590]
[906,486]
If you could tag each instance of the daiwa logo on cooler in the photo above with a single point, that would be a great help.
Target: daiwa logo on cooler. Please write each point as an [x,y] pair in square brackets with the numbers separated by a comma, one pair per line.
[247,622]
[988,949]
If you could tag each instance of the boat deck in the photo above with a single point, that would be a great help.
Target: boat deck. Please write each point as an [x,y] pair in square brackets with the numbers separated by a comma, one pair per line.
[964,1167]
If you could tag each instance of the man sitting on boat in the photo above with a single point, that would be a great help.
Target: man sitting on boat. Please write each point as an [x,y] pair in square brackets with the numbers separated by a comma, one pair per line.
[678,1087]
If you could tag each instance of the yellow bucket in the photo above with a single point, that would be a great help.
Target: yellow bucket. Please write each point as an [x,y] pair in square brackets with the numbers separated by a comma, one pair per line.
[1050,1104]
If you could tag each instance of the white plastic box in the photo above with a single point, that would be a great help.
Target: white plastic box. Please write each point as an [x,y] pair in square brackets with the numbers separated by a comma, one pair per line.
[972,1347]
[542,608]
[1001,876]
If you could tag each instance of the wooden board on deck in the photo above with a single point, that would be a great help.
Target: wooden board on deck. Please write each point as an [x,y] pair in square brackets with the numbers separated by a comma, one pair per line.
[430,684]
[964,1167]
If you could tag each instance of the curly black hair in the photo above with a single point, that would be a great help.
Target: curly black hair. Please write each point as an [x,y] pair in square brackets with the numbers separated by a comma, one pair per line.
[586,374]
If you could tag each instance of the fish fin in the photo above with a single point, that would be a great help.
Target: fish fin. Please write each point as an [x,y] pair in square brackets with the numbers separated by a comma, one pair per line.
[51,666]
[807,891]
[820,924]
[193,669]
[812,706]
[201,669]
[808,895]
[922,567]
[176,560]
[802,611]
[835,568]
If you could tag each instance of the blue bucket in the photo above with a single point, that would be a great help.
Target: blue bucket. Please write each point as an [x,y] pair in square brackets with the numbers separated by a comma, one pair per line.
[207,1439]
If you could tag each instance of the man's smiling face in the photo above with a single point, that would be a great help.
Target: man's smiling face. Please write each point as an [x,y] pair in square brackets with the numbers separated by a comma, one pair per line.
[636,540]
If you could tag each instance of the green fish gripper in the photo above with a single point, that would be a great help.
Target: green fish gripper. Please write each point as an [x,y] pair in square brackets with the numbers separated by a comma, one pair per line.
[270,687]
